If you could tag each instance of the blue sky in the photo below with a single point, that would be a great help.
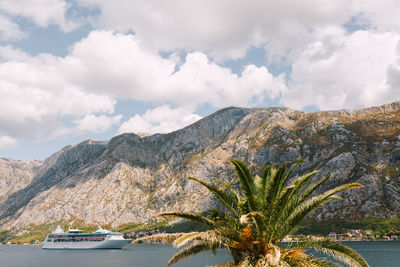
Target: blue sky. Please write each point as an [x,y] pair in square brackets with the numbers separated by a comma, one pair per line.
[72,70]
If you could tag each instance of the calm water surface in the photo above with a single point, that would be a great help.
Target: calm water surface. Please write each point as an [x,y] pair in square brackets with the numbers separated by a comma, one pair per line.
[379,254]
[135,255]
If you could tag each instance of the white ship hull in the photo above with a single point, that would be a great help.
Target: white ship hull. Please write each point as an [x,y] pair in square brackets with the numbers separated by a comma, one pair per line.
[76,239]
[106,244]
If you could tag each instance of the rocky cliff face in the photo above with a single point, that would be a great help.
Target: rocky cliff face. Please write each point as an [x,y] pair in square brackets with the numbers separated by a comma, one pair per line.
[130,178]
[15,175]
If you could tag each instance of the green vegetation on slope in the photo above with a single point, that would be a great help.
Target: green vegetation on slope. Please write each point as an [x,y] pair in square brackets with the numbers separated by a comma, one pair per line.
[306,227]
[36,233]
[137,227]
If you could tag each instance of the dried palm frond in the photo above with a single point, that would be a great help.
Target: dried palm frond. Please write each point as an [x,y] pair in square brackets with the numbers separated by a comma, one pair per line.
[303,260]
[211,237]
[334,249]
[164,238]
[190,250]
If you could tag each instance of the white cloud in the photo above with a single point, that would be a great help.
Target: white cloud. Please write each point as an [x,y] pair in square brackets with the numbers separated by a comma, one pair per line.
[393,73]
[46,96]
[8,53]
[200,81]
[346,71]
[7,142]
[34,95]
[120,66]
[163,119]
[116,64]
[382,14]
[41,12]
[332,68]
[9,30]
[46,91]
[224,28]
[97,124]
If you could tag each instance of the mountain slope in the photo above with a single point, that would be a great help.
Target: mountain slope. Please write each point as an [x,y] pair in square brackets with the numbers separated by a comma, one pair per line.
[130,178]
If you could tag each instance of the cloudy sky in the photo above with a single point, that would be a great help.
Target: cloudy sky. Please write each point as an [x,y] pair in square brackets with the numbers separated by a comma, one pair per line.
[72,70]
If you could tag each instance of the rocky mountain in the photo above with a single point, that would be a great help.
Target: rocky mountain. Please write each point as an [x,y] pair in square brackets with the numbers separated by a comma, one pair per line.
[131,177]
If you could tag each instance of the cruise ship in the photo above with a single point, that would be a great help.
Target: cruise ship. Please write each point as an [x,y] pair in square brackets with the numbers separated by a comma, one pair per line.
[77,239]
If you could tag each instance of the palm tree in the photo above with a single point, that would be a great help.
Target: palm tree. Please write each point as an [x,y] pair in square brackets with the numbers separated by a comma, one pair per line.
[256,219]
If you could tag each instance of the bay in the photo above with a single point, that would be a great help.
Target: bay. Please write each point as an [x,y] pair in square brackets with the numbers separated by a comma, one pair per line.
[134,255]
[379,254]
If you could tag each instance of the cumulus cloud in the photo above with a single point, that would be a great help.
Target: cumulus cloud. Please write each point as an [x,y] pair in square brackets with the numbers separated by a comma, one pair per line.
[119,65]
[116,64]
[41,12]
[41,91]
[200,81]
[346,71]
[7,142]
[336,54]
[283,27]
[383,14]
[97,124]
[337,69]
[331,67]
[163,119]
[207,26]
[34,95]
[9,30]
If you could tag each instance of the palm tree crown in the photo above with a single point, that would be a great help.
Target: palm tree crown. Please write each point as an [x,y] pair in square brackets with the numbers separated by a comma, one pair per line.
[256,218]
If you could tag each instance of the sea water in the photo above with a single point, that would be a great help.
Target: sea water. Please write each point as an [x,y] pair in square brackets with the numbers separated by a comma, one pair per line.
[379,254]
[134,255]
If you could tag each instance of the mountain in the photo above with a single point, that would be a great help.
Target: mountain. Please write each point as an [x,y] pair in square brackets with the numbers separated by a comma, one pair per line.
[130,177]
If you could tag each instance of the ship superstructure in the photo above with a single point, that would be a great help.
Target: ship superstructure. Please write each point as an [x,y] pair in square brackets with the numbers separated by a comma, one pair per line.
[77,239]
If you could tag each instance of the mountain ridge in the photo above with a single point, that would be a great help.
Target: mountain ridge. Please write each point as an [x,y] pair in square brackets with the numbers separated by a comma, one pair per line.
[130,178]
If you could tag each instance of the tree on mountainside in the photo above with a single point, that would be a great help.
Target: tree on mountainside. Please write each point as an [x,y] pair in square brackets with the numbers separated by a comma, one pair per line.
[256,219]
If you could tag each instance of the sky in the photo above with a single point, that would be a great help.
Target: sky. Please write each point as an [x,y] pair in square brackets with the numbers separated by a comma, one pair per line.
[72,70]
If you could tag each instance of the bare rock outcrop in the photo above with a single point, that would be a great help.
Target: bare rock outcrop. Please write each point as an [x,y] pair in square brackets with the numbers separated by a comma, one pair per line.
[130,177]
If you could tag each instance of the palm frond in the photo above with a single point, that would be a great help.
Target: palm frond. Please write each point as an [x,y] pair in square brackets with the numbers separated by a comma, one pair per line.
[309,205]
[210,237]
[294,166]
[309,190]
[190,250]
[224,221]
[234,194]
[163,238]
[275,187]
[269,171]
[303,260]
[294,199]
[304,180]
[277,209]
[184,239]
[227,200]
[333,248]
[246,183]
[256,218]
